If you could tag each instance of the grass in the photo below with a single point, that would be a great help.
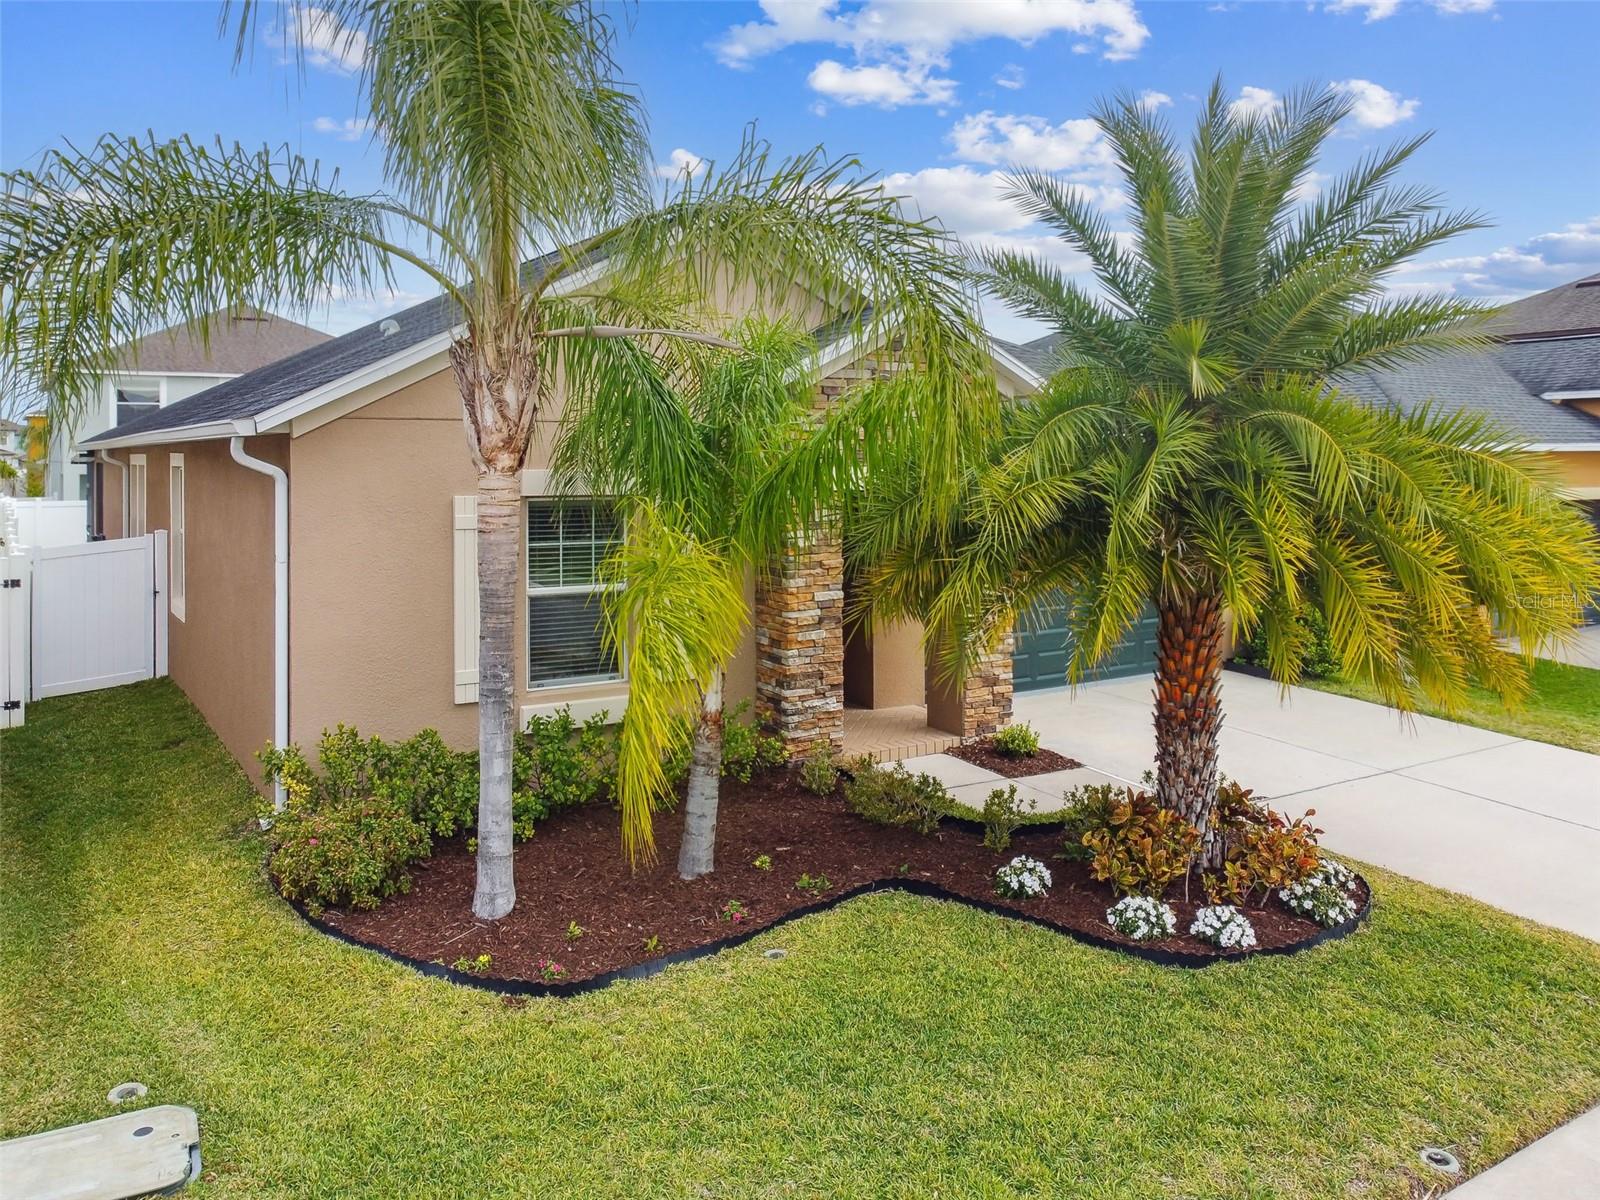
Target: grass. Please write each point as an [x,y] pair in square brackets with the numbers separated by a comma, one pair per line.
[1563,707]
[903,1048]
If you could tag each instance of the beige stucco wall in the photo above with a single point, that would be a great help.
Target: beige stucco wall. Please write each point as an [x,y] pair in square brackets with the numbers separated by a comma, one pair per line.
[1578,469]
[220,651]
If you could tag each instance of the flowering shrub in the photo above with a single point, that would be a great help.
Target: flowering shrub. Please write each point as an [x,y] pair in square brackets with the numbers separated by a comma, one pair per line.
[1142,919]
[1016,741]
[734,911]
[549,970]
[763,862]
[477,965]
[1022,878]
[1324,895]
[351,852]
[1224,925]
[894,796]
[1002,813]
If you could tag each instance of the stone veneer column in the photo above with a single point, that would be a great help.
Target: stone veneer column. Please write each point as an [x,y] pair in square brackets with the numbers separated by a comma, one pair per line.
[981,705]
[799,622]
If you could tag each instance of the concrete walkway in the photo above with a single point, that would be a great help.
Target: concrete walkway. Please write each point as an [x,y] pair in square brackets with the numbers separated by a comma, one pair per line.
[1563,1164]
[1510,822]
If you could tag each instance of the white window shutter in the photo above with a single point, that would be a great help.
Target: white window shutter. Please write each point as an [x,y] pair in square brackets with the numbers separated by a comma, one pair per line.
[466,598]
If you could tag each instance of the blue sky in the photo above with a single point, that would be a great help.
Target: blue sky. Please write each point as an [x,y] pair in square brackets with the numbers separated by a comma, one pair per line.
[938,97]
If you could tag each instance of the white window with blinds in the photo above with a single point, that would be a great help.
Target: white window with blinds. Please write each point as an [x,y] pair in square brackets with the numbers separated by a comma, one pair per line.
[568,539]
[178,542]
[138,491]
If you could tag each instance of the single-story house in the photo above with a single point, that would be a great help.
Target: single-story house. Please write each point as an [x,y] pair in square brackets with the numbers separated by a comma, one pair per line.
[361,437]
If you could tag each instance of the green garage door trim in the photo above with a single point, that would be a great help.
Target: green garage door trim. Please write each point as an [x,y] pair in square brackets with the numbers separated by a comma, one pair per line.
[1043,648]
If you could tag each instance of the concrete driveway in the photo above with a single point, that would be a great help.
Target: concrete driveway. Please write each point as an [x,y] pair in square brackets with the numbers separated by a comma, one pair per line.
[1510,822]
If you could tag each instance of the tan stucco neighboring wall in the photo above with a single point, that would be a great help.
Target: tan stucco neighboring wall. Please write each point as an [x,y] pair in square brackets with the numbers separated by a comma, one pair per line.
[220,652]
[1578,469]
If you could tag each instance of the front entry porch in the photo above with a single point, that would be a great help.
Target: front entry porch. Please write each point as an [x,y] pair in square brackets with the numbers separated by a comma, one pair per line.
[889,734]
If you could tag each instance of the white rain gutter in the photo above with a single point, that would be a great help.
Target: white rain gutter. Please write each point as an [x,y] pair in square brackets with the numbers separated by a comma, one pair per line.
[280,590]
[105,457]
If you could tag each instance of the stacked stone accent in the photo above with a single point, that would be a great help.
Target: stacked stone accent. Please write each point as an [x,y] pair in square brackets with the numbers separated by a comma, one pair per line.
[981,704]
[986,693]
[799,621]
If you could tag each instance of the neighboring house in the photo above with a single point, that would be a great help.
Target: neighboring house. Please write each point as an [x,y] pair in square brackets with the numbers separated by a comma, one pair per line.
[13,458]
[381,549]
[164,368]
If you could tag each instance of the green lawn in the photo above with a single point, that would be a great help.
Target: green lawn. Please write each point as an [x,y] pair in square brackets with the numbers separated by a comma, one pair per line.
[1564,706]
[904,1048]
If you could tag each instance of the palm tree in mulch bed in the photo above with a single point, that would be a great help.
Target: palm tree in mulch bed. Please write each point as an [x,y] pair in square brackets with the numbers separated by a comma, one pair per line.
[506,133]
[1193,451]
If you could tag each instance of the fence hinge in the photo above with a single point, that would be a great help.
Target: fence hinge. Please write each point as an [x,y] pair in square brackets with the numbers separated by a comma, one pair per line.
[5,583]
[9,705]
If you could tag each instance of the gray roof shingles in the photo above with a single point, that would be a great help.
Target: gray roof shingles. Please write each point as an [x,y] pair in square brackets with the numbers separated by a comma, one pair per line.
[1570,308]
[279,382]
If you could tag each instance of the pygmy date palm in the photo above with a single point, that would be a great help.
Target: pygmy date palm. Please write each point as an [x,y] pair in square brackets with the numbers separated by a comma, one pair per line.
[1193,451]
[506,134]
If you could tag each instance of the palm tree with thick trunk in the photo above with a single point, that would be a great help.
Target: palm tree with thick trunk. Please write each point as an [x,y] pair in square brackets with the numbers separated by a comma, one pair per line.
[1193,451]
[508,140]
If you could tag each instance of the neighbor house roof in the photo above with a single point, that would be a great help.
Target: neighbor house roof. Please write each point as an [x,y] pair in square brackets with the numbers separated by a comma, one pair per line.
[1478,381]
[1572,308]
[234,343]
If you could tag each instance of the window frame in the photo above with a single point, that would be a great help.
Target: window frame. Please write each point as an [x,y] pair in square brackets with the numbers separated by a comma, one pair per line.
[138,497]
[178,537]
[156,383]
[593,588]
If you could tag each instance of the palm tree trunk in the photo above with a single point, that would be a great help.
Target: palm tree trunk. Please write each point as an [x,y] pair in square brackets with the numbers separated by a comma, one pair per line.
[499,529]
[697,855]
[1189,712]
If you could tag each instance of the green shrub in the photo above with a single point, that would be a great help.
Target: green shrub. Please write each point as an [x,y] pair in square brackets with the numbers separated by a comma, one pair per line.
[1318,659]
[746,749]
[1016,741]
[560,763]
[1002,814]
[437,785]
[894,796]
[820,773]
[1088,808]
[351,852]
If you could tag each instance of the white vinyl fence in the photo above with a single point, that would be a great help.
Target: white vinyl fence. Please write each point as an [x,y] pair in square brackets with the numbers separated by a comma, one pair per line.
[76,618]
[46,522]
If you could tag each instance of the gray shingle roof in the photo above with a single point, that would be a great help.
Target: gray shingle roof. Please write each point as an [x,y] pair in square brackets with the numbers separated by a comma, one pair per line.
[1571,308]
[1569,364]
[1474,381]
[234,344]
[1044,356]
[281,381]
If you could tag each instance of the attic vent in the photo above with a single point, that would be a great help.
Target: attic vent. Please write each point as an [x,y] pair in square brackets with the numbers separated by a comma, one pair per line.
[1588,282]
[389,328]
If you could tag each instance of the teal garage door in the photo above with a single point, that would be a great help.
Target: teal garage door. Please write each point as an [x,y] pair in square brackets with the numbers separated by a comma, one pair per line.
[1043,647]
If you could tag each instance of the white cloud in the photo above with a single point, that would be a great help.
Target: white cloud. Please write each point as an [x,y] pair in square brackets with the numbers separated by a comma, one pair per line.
[884,84]
[1543,261]
[1152,100]
[682,162]
[1026,141]
[1255,102]
[351,129]
[919,31]
[322,41]
[1310,186]
[1381,10]
[964,200]
[1375,107]
[1011,77]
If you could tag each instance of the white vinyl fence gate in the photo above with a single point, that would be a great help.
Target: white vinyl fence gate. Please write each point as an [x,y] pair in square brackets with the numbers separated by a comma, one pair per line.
[76,618]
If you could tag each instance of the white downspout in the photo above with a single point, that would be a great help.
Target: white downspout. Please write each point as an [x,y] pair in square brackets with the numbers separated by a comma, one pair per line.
[280,593]
[106,456]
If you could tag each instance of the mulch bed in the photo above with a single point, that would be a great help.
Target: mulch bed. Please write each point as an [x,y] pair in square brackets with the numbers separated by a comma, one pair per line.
[982,753]
[573,870]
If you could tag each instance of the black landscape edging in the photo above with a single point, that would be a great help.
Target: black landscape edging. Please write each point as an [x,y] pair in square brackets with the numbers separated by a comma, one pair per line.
[1241,667]
[914,887]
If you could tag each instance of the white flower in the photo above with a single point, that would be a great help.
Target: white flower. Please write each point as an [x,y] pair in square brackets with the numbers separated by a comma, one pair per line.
[1224,925]
[1324,895]
[1022,878]
[1142,919]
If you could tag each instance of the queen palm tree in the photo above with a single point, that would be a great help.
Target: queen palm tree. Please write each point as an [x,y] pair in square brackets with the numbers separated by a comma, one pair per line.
[1194,452]
[506,133]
